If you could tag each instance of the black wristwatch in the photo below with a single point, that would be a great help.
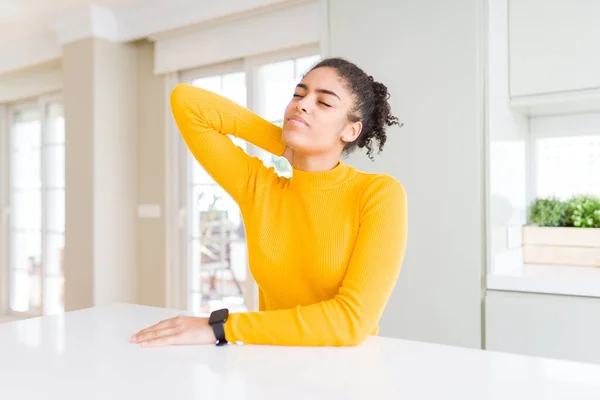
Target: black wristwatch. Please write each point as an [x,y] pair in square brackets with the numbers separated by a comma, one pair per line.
[217,321]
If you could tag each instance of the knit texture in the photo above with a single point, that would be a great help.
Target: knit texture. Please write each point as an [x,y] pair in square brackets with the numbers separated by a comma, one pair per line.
[325,248]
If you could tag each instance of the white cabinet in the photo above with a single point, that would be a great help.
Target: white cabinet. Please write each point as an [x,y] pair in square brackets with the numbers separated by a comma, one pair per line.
[554,46]
[542,325]
[554,55]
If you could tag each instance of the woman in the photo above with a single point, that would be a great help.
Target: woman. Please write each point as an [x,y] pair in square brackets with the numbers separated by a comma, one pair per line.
[325,247]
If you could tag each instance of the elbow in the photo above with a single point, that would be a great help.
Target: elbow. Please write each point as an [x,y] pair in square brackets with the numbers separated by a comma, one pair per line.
[177,94]
[356,328]
[356,338]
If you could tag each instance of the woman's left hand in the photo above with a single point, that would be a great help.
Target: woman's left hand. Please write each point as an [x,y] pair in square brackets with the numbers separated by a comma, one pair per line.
[180,330]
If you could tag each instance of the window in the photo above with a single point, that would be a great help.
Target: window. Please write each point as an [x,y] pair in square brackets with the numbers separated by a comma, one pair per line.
[555,156]
[213,242]
[215,245]
[567,166]
[36,205]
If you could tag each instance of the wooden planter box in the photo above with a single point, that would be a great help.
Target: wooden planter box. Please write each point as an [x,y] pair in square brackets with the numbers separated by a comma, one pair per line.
[561,246]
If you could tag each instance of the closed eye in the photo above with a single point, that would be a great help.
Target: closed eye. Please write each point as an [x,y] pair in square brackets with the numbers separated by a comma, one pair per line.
[320,102]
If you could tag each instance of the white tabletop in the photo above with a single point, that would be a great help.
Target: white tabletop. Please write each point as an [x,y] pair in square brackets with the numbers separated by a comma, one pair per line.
[87,355]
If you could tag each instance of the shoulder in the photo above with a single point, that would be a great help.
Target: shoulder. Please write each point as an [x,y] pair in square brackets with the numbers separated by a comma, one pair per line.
[381,196]
[381,186]
[382,202]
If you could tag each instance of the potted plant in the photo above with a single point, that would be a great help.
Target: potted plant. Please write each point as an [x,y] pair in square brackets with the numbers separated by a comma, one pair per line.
[563,232]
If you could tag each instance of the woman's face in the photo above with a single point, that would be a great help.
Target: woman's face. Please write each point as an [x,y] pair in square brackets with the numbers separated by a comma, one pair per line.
[316,119]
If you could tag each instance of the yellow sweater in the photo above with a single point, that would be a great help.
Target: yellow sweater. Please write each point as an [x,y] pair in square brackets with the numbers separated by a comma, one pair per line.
[325,248]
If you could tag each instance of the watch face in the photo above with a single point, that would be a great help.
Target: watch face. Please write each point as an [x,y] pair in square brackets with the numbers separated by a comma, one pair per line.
[219,316]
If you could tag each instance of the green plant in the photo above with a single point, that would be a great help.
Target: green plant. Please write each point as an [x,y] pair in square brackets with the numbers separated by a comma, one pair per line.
[583,211]
[547,212]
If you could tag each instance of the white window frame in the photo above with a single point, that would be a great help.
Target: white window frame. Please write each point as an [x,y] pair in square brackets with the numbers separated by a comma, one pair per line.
[177,155]
[4,152]
[40,103]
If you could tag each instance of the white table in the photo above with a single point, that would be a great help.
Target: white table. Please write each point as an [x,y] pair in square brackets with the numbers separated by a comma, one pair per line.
[87,355]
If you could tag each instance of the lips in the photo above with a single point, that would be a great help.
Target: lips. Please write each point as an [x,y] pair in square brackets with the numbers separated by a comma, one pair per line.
[298,119]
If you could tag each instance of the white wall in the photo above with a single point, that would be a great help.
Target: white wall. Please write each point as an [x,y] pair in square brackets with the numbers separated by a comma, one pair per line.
[429,55]
[115,171]
[151,180]
[100,98]
[78,92]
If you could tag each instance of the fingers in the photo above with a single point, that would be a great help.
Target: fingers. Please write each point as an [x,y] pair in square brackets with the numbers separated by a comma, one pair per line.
[156,334]
[163,341]
[171,322]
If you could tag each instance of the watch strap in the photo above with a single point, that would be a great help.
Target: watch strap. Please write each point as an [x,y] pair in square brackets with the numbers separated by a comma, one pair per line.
[219,330]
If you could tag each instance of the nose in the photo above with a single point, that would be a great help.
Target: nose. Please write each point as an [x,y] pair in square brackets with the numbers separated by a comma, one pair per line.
[301,105]
[300,108]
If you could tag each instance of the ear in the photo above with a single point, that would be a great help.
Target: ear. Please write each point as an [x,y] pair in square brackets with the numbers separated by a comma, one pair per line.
[352,131]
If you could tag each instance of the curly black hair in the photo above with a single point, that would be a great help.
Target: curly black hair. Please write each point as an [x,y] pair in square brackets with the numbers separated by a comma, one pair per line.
[371,104]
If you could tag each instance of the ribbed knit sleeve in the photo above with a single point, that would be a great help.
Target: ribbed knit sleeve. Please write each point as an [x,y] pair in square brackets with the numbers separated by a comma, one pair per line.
[205,119]
[353,313]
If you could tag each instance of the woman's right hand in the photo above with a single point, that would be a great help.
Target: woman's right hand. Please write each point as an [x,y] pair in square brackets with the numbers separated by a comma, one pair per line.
[289,155]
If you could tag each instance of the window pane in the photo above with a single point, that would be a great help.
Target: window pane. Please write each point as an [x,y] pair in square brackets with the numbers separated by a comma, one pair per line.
[195,265]
[304,64]
[212,83]
[26,250]
[55,124]
[54,254]
[25,168]
[277,83]
[26,129]
[54,295]
[234,87]
[568,166]
[26,210]
[25,291]
[55,165]
[55,210]
[199,174]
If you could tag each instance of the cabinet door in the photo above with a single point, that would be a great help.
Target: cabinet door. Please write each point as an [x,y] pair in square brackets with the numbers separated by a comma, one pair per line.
[554,46]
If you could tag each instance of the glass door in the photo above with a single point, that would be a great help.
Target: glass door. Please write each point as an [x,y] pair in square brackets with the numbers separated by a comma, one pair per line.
[215,244]
[36,205]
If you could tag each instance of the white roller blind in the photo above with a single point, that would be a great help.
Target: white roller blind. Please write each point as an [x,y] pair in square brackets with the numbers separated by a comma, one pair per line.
[254,34]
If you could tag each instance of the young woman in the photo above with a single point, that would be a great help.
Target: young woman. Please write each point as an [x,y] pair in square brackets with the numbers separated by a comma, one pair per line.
[325,246]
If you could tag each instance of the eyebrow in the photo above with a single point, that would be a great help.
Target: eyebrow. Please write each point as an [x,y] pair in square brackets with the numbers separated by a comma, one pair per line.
[324,91]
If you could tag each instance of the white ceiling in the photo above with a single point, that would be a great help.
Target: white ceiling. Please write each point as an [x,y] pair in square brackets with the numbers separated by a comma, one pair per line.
[23,18]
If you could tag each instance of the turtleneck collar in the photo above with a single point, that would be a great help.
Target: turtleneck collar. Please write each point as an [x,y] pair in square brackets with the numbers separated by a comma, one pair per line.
[322,180]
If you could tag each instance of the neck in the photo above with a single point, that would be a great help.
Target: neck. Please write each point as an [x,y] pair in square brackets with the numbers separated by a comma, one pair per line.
[312,163]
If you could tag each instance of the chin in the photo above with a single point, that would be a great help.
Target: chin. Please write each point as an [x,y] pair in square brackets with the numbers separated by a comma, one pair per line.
[300,141]
[291,137]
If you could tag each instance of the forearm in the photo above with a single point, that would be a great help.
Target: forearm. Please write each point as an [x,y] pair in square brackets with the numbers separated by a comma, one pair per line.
[328,323]
[197,110]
